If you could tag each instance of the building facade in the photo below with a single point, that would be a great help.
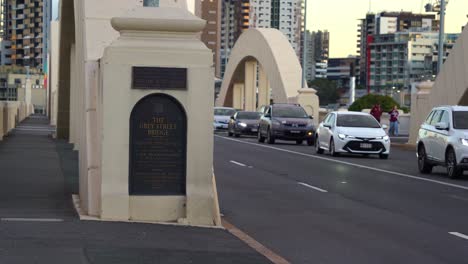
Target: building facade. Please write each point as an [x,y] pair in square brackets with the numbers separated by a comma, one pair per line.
[317,53]
[239,15]
[210,10]
[25,23]
[384,23]
[399,59]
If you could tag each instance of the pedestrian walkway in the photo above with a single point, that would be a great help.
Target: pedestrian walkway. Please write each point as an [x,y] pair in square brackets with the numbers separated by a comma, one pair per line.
[39,225]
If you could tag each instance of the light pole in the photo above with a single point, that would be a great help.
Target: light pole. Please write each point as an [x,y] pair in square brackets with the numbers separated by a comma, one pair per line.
[440,59]
[304,51]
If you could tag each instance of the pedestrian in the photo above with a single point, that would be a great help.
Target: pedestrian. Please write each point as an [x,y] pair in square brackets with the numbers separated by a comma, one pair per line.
[376,112]
[394,114]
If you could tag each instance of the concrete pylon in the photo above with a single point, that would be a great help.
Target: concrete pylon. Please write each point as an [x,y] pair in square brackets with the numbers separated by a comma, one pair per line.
[250,86]
[238,95]
[263,87]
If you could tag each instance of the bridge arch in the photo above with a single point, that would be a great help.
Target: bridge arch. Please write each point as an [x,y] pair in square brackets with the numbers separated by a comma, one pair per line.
[265,57]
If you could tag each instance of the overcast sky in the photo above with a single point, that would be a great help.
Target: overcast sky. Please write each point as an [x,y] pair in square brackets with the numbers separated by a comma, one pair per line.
[340,17]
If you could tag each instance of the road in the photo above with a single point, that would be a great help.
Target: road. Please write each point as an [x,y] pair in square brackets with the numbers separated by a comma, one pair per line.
[312,208]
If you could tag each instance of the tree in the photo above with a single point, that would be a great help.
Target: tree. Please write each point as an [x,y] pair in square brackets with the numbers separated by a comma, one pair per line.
[326,91]
[368,101]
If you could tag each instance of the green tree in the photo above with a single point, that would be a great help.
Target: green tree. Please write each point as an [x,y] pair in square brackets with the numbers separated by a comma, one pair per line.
[326,91]
[368,101]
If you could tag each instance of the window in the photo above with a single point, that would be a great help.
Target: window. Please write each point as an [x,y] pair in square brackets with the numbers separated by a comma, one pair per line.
[445,117]
[460,119]
[436,117]
[151,3]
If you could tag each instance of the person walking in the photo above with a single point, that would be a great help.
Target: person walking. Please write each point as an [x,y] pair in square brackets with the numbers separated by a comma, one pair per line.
[376,112]
[394,114]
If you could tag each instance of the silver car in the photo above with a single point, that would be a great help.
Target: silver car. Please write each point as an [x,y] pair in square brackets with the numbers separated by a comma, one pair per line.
[443,140]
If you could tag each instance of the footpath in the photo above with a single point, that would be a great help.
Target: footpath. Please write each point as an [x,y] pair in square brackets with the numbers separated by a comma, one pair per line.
[38,224]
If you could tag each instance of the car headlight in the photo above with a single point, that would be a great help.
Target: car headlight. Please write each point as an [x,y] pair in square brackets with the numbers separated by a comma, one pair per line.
[243,124]
[464,141]
[342,136]
[386,138]
[275,123]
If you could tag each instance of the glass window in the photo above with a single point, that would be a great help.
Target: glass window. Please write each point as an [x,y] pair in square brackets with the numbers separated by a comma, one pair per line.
[436,117]
[289,112]
[445,117]
[331,121]
[325,120]
[460,119]
[151,3]
[224,112]
[248,115]
[357,121]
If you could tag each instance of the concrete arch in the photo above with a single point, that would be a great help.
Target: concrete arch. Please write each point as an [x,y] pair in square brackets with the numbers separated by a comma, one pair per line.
[278,68]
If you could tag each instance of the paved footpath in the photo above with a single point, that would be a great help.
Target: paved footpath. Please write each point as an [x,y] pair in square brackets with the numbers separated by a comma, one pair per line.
[38,223]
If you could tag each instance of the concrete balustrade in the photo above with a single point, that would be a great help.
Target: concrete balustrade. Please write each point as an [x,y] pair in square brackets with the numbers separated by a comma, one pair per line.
[12,113]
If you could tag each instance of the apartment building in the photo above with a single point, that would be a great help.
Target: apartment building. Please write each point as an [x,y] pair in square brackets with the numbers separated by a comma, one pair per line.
[397,60]
[210,10]
[25,23]
[239,15]
[384,23]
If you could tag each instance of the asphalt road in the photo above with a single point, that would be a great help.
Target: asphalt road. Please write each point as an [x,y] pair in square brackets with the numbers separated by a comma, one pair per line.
[312,208]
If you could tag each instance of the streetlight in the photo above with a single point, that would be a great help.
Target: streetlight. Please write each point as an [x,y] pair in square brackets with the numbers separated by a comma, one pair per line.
[440,9]
[304,52]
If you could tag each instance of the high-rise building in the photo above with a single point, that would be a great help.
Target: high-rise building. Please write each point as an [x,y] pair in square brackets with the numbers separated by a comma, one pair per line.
[397,60]
[384,23]
[210,10]
[24,25]
[239,15]
[317,52]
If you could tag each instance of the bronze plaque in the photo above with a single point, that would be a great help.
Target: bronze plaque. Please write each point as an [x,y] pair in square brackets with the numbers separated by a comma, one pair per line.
[159,78]
[158,147]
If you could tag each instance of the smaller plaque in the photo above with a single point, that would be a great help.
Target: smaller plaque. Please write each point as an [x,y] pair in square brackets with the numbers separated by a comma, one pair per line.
[159,78]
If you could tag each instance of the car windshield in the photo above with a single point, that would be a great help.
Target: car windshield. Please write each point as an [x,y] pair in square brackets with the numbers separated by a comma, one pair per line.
[224,112]
[248,115]
[460,119]
[357,121]
[289,112]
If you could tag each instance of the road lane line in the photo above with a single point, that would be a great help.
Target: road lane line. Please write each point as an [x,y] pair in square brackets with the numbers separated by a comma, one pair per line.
[459,235]
[31,219]
[312,187]
[238,163]
[254,244]
[351,164]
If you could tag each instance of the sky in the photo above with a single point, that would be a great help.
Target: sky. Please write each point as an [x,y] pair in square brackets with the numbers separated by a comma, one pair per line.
[340,18]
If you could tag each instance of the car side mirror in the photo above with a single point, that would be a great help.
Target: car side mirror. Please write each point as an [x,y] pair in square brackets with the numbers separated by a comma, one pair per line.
[327,125]
[384,126]
[442,126]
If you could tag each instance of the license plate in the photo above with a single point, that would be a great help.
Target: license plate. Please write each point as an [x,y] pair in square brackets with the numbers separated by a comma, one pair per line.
[254,130]
[295,132]
[366,145]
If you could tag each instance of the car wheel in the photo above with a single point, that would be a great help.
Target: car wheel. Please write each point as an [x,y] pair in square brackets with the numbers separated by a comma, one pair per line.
[310,142]
[299,142]
[270,139]
[318,149]
[453,171]
[423,164]
[383,156]
[332,148]
[260,138]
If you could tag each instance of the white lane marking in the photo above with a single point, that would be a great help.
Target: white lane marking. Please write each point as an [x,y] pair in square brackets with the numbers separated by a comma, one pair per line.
[238,163]
[312,187]
[343,182]
[459,235]
[352,164]
[32,220]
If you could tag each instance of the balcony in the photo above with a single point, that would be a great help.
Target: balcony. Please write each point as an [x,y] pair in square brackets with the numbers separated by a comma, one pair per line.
[20,16]
[18,7]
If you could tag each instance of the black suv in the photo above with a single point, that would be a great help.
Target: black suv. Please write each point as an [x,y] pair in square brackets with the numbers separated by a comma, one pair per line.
[286,122]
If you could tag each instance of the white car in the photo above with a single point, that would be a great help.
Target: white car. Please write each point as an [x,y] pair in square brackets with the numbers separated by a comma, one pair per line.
[222,115]
[352,132]
[443,140]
